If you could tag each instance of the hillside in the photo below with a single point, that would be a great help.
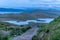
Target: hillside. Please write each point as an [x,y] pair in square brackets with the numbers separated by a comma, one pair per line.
[28,15]
[8,30]
[49,31]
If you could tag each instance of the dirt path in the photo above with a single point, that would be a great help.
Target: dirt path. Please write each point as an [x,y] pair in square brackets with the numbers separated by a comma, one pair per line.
[28,35]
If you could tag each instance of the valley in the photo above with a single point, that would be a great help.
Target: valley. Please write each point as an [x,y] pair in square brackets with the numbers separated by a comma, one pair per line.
[26,24]
[29,19]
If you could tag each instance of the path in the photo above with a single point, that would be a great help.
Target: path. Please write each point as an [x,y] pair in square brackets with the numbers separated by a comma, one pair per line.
[28,35]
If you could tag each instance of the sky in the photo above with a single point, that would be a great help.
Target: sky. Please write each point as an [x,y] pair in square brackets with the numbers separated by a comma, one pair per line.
[29,3]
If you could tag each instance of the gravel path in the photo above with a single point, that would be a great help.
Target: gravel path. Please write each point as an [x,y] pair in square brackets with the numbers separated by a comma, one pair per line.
[28,35]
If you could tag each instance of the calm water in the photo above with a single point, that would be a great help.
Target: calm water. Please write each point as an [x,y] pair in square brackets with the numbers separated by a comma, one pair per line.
[39,20]
[9,12]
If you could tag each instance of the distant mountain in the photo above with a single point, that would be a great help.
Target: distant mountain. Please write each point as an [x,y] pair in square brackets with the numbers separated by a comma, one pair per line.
[24,9]
[10,10]
[16,10]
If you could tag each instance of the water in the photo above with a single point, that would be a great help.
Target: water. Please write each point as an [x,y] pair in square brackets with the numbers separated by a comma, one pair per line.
[39,20]
[46,20]
[17,23]
[10,12]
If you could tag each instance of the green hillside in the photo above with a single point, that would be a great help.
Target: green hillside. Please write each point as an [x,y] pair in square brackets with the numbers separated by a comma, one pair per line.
[8,31]
[49,31]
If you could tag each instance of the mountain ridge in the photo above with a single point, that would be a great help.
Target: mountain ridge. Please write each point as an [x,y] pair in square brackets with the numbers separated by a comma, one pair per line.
[30,15]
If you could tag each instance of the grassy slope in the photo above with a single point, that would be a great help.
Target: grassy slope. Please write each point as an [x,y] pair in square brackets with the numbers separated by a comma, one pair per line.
[49,31]
[14,30]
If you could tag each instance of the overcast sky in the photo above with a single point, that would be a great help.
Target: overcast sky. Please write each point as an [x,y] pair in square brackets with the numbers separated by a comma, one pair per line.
[28,3]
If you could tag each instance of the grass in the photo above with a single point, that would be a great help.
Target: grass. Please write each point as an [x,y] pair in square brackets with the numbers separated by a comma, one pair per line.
[13,30]
[49,31]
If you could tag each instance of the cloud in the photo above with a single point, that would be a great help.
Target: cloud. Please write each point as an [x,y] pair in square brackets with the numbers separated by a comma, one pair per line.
[28,3]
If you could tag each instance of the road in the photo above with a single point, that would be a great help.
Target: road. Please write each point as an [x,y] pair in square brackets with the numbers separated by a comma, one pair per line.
[28,35]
